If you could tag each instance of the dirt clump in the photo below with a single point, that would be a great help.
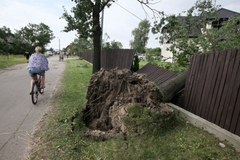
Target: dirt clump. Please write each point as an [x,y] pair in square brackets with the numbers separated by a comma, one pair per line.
[109,95]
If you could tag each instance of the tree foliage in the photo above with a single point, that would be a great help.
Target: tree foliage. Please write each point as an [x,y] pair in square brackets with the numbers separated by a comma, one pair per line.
[25,39]
[228,36]
[153,55]
[112,45]
[140,35]
[80,45]
[6,40]
[35,35]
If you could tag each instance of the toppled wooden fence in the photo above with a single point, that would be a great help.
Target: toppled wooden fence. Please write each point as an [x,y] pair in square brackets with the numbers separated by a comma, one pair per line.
[156,74]
[168,82]
[111,58]
[212,89]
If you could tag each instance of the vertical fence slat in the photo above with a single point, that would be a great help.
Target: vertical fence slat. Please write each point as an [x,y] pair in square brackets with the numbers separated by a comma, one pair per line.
[218,110]
[208,92]
[236,113]
[216,71]
[211,63]
[235,99]
[232,71]
[225,84]
[201,82]
[218,89]
[194,86]
[188,84]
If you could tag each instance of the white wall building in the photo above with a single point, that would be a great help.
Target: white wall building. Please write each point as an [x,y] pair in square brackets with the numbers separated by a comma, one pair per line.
[222,15]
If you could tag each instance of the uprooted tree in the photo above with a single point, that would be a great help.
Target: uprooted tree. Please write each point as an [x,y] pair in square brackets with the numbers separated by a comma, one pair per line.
[111,92]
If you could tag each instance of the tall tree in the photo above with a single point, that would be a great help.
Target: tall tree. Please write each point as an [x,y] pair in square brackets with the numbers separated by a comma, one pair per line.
[86,21]
[140,35]
[36,35]
[6,40]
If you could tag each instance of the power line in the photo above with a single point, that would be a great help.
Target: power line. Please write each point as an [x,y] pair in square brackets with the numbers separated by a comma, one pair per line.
[129,11]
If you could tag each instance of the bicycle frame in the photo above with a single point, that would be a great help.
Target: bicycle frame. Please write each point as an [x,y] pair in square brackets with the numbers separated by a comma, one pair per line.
[36,89]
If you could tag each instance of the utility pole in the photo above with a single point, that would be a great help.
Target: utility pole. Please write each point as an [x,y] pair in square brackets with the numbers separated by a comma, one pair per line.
[102,29]
[101,36]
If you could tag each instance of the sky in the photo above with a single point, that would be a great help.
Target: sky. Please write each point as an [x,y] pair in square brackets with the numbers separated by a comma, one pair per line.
[119,20]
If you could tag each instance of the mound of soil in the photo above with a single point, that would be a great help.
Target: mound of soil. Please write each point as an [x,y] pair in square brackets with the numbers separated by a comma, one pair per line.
[110,93]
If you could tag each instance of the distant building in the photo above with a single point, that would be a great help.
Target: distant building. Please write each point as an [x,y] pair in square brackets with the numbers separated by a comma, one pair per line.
[222,15]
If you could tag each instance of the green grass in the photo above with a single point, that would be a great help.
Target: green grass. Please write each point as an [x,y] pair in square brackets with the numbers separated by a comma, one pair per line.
[7,61]
[150,137]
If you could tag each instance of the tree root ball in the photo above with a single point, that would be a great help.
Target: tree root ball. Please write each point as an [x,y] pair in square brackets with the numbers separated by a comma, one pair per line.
[110,92]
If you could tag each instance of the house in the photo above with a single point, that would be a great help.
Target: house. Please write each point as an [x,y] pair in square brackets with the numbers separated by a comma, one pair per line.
[216,21]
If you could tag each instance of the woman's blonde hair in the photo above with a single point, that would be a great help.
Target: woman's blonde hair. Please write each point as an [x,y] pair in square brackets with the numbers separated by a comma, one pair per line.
[38,49]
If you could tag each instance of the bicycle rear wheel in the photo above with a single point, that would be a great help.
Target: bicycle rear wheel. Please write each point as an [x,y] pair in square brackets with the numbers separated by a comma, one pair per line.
[40,90]
[34,93]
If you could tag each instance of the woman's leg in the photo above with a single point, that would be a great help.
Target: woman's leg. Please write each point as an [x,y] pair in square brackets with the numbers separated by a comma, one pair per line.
[42,77]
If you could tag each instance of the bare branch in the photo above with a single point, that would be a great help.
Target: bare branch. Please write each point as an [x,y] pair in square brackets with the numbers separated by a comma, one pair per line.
[147,3]
[106,3]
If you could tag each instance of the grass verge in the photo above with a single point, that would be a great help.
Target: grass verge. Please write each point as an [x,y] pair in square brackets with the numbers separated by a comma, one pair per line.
[147,139]
[7,61]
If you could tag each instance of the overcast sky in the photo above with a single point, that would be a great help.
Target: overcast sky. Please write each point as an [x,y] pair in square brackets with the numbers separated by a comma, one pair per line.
[119,20]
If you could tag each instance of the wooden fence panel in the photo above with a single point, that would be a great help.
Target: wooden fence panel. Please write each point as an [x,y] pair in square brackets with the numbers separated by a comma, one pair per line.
[156,74]
[214,85]
[235,82]
[224,87]
[121,58]
[230,84]
[111,58]
[88,56]
[208,87]
[213,89]
[217,90]
[189,81]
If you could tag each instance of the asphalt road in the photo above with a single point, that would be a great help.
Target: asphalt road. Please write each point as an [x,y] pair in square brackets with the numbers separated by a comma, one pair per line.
[18,116]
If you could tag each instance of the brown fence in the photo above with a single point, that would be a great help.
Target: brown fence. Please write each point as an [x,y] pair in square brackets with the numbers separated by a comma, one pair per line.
[88,56]
[121,58]
[111,58]
[212,89]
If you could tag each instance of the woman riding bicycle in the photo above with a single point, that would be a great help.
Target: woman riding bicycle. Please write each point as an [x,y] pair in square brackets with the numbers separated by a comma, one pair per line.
[38,64]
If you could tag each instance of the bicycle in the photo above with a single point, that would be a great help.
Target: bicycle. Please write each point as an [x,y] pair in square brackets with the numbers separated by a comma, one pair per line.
[36,89]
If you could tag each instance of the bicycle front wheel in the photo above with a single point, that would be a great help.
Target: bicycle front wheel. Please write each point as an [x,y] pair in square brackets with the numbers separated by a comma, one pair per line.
[34,93]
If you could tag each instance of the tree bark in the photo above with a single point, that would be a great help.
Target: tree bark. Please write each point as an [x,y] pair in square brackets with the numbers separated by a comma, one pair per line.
[97,32]
[171,87]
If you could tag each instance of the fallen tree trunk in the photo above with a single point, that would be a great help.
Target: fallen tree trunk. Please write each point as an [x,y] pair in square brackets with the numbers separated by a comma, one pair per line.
[171,87]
